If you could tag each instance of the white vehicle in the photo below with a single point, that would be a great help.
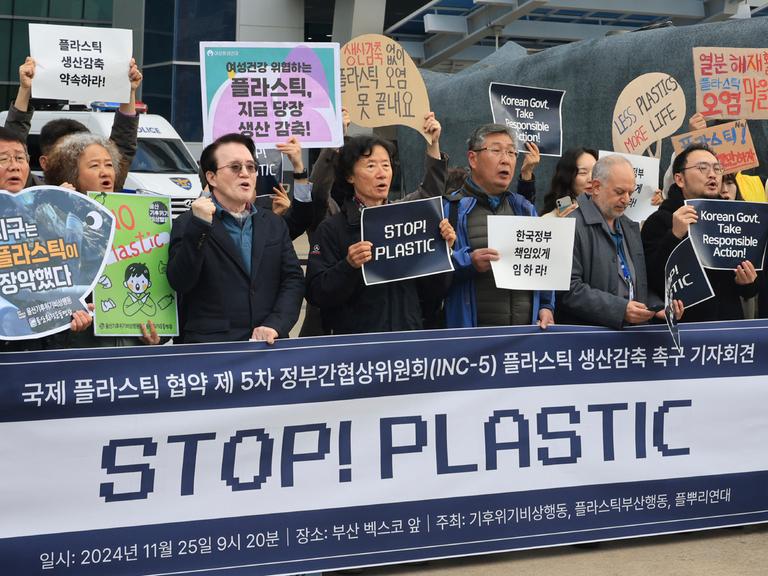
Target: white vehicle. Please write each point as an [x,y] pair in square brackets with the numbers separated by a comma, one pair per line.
[163,164]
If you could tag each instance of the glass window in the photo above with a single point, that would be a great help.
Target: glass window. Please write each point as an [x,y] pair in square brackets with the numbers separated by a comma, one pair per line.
[98,10]
[19,46]
[6,96]
[71,9]
[187,112]
[197,22]
[5,51]
[6,7]
[158,32]
[32,8]
[162,156]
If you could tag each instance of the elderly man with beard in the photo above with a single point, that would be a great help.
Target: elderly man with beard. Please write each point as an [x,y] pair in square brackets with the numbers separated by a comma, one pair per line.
[697,174]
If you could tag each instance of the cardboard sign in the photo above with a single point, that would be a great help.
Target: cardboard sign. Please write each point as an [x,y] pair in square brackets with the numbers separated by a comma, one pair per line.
[134,287]
[406,241]
[270,91]
[728,232]
[380,84]
[81,63]
[650,108]
[53,247]
[534,113]
[731,142]
[535,253]
[646,183]
[731,82]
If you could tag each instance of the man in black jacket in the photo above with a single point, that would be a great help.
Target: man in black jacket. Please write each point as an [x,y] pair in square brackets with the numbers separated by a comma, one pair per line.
[697,174]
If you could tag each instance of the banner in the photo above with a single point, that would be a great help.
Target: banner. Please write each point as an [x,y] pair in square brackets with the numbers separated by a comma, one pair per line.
[731,82]
[649,109]
[728,232]
[380,84]
[534,113]
[646,183]
[731,143]
[134,288]
[80,63]
[406,241]
[327,453]
[535,253]
[53,245]
[270,91]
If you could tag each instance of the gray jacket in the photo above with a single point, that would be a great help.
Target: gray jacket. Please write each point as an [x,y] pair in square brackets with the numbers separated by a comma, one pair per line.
[593,298]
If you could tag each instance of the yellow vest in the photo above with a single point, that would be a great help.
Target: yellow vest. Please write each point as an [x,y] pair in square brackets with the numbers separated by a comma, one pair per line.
[751,188]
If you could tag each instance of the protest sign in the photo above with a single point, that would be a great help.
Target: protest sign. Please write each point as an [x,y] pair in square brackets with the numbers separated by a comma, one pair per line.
[270,91]
[343,451]
[728,232]
[535,253]
[80,63]
[731,82]
[731,143]
[406,241]
[646,183]
[534,113]
[134,288]
[650,108]
[380,84]
[53,245]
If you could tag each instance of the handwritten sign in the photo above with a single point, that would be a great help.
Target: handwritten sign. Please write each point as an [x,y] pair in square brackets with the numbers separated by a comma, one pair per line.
[534,113]
[81,63]
[650,108]
[731,142]
[269,91]
[535,253]
[406,241]
[646,182]
[731,82]
[380,84]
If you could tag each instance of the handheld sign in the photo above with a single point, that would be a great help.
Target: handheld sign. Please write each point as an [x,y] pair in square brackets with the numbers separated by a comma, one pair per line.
[650,108]
[731,143]
[731,82]
[380,84]
[134,287]
[534,113]
[535,253]
[646,183]
[54,244]
[684,278]
[269,91]
[80,63]
[406,241]
[728,232]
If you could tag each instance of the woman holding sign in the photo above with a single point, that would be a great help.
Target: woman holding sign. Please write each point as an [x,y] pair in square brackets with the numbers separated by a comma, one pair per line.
[334,276]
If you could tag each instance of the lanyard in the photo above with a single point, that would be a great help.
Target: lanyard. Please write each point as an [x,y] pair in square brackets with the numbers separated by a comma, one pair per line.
[626,276]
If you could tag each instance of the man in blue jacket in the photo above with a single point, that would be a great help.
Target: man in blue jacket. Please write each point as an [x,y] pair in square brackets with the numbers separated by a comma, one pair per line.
[474,299]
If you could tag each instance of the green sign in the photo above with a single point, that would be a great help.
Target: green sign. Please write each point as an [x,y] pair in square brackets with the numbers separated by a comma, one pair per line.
[134,288]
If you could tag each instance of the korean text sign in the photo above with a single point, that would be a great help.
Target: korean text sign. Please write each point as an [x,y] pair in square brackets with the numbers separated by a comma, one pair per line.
[731,143]
[270,91]
[193,459]
[81,63]
[731,82]
[534,113]
[134,288]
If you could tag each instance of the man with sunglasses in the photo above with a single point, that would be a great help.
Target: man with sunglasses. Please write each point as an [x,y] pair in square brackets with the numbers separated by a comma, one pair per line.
[233,264]
[697,174]
[474,299]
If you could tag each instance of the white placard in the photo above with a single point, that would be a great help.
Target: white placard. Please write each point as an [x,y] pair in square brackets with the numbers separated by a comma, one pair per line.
[80,63]
[646,183]
[535,253]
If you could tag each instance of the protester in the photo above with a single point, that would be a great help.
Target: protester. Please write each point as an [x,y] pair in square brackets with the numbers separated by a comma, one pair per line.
[608,281]
[232,263]
[729,190]
[697,174]
[334,276]
[473,299]
[14,161]
[572,177]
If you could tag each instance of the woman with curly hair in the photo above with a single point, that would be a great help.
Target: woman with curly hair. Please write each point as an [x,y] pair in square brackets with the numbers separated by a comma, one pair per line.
[85,161]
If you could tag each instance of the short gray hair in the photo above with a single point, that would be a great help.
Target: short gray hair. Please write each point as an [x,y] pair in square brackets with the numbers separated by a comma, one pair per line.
[602,168]
[63,159]
[477,139]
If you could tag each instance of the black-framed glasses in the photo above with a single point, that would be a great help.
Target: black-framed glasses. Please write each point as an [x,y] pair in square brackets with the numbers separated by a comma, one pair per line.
[237,167]
[705,167]
[509,152]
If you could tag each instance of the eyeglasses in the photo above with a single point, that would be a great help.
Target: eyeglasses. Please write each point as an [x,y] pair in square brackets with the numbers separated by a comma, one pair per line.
[509,152]
[237,167]
[705,167]
[5,161]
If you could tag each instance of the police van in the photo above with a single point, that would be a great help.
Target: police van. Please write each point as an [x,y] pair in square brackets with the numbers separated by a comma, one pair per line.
[163,164]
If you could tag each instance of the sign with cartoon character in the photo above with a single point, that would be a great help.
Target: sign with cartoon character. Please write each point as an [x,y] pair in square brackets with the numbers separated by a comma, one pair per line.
[134,289]
[53,244]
